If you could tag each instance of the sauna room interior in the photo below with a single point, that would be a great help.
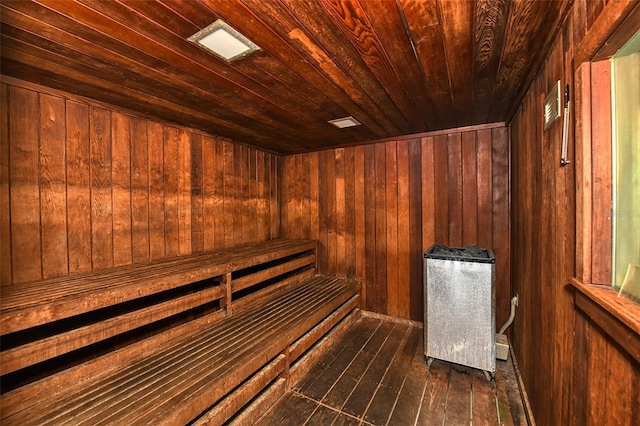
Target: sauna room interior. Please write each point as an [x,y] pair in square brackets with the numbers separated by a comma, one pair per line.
[191,236]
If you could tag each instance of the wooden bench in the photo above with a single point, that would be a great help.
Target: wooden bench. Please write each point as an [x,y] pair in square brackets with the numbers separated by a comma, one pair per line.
[188,339]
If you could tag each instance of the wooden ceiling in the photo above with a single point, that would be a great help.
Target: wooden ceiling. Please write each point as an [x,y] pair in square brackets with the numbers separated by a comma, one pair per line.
[399,67]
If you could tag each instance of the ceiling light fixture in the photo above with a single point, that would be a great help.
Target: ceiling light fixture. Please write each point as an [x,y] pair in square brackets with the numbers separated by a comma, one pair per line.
[224,41]
[344,122]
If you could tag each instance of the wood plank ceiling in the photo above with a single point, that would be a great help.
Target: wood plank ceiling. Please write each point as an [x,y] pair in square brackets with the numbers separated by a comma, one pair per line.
[399,67]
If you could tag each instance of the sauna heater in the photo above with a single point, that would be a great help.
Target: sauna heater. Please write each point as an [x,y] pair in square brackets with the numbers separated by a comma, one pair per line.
[459,306]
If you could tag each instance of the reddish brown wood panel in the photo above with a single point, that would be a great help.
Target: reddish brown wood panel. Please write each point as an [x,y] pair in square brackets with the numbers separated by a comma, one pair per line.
[400,67]
[570,368]
[85,187]
[409,194]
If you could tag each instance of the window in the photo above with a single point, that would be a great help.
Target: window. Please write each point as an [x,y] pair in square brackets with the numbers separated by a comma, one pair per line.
[625,120]
[604,165]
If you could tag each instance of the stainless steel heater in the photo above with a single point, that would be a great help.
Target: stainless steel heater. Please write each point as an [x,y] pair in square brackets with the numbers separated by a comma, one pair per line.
[459,306]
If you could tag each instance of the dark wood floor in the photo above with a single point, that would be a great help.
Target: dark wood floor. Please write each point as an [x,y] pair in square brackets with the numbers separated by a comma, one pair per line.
[376,374]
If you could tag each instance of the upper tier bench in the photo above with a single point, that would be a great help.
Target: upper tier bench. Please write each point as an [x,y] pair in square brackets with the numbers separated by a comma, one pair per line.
[169,342]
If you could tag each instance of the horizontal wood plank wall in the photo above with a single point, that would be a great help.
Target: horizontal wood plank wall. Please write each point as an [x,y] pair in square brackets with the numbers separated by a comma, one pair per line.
[376,209]
[85,187]
[573,373]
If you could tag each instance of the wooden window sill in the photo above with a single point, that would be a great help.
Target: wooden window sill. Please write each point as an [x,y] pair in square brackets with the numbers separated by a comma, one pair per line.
[617,316]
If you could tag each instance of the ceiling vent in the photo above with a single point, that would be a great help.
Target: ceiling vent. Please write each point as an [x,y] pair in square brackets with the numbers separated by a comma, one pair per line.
[224,41]
[345,122]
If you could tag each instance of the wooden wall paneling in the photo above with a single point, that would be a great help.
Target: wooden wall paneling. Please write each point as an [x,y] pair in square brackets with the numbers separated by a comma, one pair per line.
[622,375]
[379,208]
[184,192]
[350,212]
[551,279]
[305,185]
[139,190]
[171,191]
[88,187]
[197,193]
[293,193]
[156,151]
[501,221]
[370,225]
[101,188]
[314,191]
[121,188]
[330,218]
[229,193]
[323,204]
[210,195]
[580,376]
[238,189]
[360,219]
[287,198]
[248,202]
[580,382]
[53,183]
[340,219]
[454,188]
[274,206]
[24,188]
[566,224]
[469,189]
[484,182]
[416,247]
[429,235]
[597,383]
[244,199]
[379,290]
[441,192]
[5,206]
[391,196]
[263,196]
[404,232]
[219,198]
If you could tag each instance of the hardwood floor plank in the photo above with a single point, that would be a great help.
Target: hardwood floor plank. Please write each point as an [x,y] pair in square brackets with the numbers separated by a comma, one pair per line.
[292,409]
[459,396]
[326,378]
[410,396]
[322,416]
[375,374]
[345,420]
[362,395]
[483,406]
[384,401]
[510,408]
[434,399]
[349,377]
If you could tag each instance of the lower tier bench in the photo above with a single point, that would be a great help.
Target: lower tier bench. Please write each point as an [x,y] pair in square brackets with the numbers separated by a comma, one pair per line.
[203,370]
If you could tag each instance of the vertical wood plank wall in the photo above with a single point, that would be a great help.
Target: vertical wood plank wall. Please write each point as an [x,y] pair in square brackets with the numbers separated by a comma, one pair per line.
[376,208]
[573,373]
[85,187]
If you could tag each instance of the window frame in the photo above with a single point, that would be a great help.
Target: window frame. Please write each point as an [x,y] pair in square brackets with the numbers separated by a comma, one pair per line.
[595,296]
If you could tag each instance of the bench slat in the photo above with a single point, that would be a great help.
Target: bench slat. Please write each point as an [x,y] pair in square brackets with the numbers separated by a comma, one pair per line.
[253,279]
[234,402]
[201,372]
[34,304]
[44,349]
